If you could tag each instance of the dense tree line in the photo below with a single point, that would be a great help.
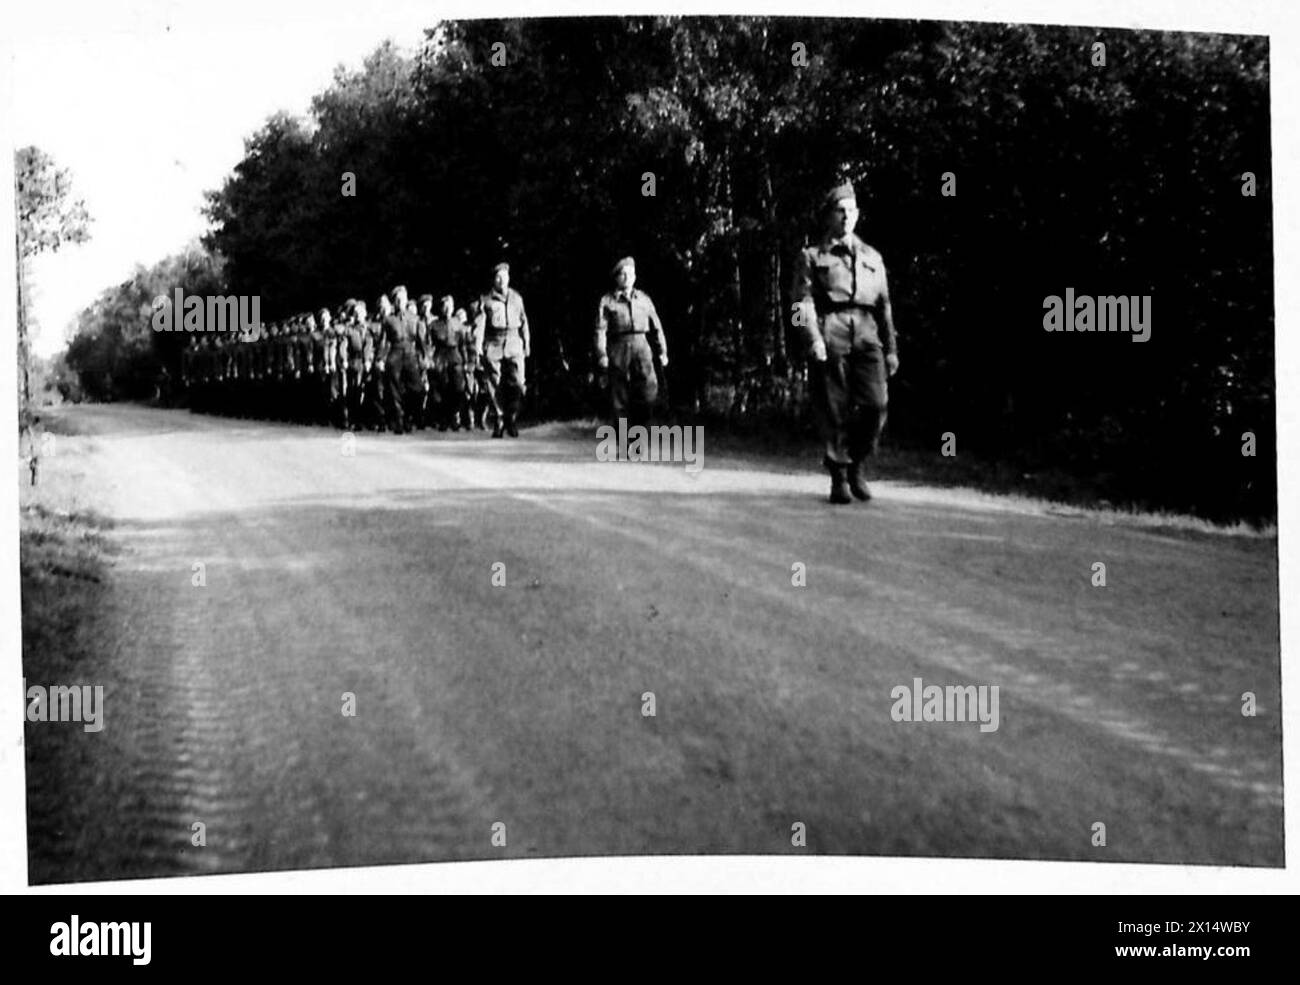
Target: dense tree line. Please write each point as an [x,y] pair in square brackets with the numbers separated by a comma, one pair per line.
[1111,173]
[116,352]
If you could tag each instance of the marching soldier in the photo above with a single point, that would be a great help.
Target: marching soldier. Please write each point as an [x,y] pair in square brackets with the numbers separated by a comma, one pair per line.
[284,371]
[414,380]
[502,338]
[360,355]
[264,368]
[447,346]
[426,396]
[428,372]
[241,399]
[374,391]
[396,358]
[842,305]
[629,339]
[469,368]
[331,370]
[478,385]
[316,389]
[305,370]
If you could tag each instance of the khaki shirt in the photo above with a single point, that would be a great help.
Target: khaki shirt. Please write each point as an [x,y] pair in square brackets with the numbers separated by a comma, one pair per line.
[621,314]
[842,283]
[502,316]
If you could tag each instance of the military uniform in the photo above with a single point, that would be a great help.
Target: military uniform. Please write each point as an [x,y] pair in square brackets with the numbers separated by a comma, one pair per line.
[316,384]
[304,376]
[478,372]
[373,400]
[282,374]
[469,366]
[401,368]
[359,355]
[502,336]
[842,293]
[630,337]
[335,370]
[419,392]
[447,370]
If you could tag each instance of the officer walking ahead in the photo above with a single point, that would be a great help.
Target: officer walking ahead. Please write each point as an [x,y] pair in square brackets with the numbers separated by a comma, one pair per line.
[842,306]
[501,336]
[628,320]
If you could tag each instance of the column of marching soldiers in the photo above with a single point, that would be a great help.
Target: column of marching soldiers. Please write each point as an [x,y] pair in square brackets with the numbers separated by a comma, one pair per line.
[410,367]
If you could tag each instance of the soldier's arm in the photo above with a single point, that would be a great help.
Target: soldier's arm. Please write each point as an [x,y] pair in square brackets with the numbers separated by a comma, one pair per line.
[367,349]
[598,342]
[523,330]
[480,327]
[658,340]
[888,334]
[804,313]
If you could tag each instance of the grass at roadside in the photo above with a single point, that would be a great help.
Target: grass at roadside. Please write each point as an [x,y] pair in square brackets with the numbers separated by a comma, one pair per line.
[64,560]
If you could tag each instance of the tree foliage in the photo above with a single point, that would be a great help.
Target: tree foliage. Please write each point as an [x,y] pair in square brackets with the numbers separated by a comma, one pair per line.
[115,351]
[48,219]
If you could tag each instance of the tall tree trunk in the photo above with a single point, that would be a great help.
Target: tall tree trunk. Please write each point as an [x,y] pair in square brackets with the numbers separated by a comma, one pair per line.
[24,381]
[772,259]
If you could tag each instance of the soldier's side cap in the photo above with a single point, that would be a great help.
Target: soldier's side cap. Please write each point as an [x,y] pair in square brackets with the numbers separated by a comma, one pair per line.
[399,289]
[842,190]
[323,311]
[446,297]
[625,262]
[501,266]
[426,297]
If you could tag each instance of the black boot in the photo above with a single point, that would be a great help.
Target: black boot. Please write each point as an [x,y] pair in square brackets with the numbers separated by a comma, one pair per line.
[858,481]
[839,483]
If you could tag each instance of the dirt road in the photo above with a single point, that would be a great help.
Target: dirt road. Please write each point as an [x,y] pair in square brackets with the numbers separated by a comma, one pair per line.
[371,574]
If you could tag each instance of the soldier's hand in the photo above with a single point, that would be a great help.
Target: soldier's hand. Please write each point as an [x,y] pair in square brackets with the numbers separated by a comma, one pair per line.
[891,363]
[818,352]
[663,359]
[602,362]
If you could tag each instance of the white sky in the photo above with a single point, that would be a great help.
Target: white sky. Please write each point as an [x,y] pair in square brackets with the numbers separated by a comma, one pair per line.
[148,105]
